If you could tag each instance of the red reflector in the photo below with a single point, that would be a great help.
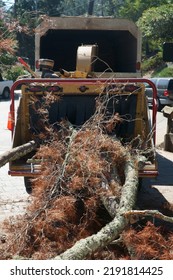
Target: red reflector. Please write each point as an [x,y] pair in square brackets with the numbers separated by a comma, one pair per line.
[36,89]
[37,64]
[166,93]
[44,89]
[138,66]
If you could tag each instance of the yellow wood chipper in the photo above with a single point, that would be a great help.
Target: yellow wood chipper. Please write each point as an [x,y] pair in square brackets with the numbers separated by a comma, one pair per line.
[81,59]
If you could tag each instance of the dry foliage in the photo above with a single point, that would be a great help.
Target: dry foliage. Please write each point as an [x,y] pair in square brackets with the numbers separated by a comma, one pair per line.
[7,45]
[7,41]
[66,202]
[77,167]
[149,243]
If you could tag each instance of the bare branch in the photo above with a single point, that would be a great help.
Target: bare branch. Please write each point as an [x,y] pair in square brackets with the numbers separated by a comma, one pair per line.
[153,213]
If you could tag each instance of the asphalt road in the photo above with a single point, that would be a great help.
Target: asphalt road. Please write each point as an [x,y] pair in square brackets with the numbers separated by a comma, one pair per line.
[14,199]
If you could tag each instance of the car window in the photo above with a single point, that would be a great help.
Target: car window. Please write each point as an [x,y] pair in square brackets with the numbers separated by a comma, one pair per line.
[147,85]
[162,84]
[170,85]
[152,80]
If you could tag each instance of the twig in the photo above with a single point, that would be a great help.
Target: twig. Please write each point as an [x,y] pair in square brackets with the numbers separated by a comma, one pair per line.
[153,213]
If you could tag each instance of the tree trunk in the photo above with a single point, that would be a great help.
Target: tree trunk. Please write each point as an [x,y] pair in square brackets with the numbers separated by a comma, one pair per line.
[90,7]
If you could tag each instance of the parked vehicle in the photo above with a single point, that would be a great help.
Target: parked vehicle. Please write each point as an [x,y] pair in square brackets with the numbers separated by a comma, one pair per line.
[164,92]
[5,86]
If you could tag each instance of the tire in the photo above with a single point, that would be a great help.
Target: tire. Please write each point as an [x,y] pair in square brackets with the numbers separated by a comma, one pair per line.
[159,105]
[28,184]
[6,93]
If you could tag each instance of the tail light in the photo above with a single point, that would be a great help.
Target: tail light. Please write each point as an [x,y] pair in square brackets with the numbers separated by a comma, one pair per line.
[166,93]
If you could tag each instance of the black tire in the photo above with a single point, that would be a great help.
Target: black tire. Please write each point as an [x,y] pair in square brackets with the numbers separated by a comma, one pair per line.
[159,105]
[28,184]
[6,93]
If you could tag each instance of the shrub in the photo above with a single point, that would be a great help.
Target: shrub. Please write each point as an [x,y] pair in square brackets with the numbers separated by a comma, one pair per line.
[14,72]
[153,62]
[165,72]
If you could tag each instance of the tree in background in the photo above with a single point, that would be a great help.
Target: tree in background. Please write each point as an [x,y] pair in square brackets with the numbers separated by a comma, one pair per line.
[1,4]
[158,28]
[133,9]
[34,8]
[8,43]
[27,14]
[100,7]
[6,37]
[74,7]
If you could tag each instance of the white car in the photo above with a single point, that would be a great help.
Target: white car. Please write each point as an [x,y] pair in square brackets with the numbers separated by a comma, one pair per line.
[5,87]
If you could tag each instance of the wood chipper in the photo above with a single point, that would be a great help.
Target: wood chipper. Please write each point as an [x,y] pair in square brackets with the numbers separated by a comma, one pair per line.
[79,89]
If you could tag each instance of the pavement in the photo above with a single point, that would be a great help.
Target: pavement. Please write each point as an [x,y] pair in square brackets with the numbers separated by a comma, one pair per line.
[158,192]
[13,197]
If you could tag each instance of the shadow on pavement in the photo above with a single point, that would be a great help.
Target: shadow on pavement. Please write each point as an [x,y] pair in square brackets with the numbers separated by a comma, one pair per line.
[157,194]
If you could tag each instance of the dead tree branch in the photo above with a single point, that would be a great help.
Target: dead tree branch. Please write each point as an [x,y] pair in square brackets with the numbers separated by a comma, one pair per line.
[152,213]
[18,152]
[111,231]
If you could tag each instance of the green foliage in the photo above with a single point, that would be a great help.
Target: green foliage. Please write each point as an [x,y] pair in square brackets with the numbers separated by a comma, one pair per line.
[8,44]
[157,67]
[74,7]
[2,4]
[164,72]
[154,62]
[7,59]
[14,72]
[107,8]
[155,29]
[133,9]
[159,25]
[50,7]
[26,10]
[100,8]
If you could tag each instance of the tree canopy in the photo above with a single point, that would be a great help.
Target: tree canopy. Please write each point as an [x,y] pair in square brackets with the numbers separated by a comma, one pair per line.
[133,9]
[159,26]
[27,13]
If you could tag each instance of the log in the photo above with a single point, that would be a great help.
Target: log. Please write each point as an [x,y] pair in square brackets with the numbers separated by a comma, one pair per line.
[112,230]
[18,152]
